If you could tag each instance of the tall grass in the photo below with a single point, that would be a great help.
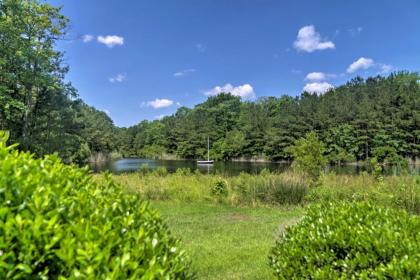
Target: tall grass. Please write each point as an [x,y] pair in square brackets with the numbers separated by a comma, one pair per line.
[401,191]
[244,189]
[273,189]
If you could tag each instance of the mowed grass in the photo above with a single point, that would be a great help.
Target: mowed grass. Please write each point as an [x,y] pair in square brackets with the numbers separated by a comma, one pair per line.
[226,242]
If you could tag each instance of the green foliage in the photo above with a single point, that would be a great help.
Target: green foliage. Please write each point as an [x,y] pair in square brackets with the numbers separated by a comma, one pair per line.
[219,188]
[245,189]
[308,155]
[37,105]
[353,120]
[341,144]
[152,151]
[160,171]
[57,223]
[349,241]
[388,156]
[144,169]
[401,191]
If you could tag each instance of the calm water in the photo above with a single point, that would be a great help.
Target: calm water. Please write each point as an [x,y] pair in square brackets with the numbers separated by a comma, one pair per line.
[228,168]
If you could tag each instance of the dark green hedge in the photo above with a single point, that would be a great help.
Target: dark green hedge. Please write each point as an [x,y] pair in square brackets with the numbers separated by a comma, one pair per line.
[56,223]
[349,241]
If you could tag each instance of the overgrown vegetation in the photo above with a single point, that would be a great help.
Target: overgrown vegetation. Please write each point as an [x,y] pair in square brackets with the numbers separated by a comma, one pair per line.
[272,189]
[245,189]
[57,223]
[349,241]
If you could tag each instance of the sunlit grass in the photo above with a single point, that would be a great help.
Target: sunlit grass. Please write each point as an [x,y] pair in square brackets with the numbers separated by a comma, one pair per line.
[226,242]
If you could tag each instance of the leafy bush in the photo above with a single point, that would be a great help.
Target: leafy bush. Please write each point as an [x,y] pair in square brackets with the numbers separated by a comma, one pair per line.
[56,222]
[308,155]
[220,188]
[349,241]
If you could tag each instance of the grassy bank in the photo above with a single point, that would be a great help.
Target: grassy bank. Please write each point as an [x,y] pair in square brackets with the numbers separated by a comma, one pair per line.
[269,189]
[226,242]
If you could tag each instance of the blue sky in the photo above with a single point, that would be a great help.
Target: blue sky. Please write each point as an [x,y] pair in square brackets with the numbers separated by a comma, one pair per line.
[141,60]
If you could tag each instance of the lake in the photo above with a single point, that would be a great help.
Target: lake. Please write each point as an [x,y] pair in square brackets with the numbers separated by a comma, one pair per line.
[228,168]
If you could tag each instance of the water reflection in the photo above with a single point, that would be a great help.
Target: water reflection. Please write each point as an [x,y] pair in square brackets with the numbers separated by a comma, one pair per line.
[227,168]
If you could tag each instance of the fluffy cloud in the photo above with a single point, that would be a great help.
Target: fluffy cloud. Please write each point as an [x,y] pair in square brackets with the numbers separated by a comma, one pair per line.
[245,91]
[317,87]
[160,103]
[386,68]
[111,40]
[361,63]
[319,76]
[309,40]
[365,63]
[119,78]
[184,72]
[87,38]
[316,76]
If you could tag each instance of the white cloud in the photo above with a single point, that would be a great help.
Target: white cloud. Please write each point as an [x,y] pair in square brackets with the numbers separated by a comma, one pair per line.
[184,72]
[316,76]
[386,68]
[245,91]
[111,40]
[319,76]
[106,111]
[87,38]
[309,40]
[159,103]
[317,87]
[361,63]
[119,78]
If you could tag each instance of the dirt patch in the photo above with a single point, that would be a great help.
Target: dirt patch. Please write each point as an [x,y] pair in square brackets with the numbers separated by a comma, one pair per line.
[238,217]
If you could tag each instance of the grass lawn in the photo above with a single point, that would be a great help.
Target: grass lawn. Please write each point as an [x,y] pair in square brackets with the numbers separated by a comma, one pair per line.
[226,242]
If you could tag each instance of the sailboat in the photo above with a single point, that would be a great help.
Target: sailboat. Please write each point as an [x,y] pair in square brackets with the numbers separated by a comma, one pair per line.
[208,161]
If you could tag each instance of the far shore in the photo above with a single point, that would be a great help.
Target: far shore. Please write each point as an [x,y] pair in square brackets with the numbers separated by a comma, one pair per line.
[105,158]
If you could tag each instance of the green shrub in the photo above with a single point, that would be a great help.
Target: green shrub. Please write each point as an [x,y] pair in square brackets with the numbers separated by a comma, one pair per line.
[220,188]
[308,156]
[349,241]
[160,171]
[56,223]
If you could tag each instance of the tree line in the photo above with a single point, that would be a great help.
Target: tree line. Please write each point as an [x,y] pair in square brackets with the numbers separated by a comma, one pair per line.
[374,117]
[40,109]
